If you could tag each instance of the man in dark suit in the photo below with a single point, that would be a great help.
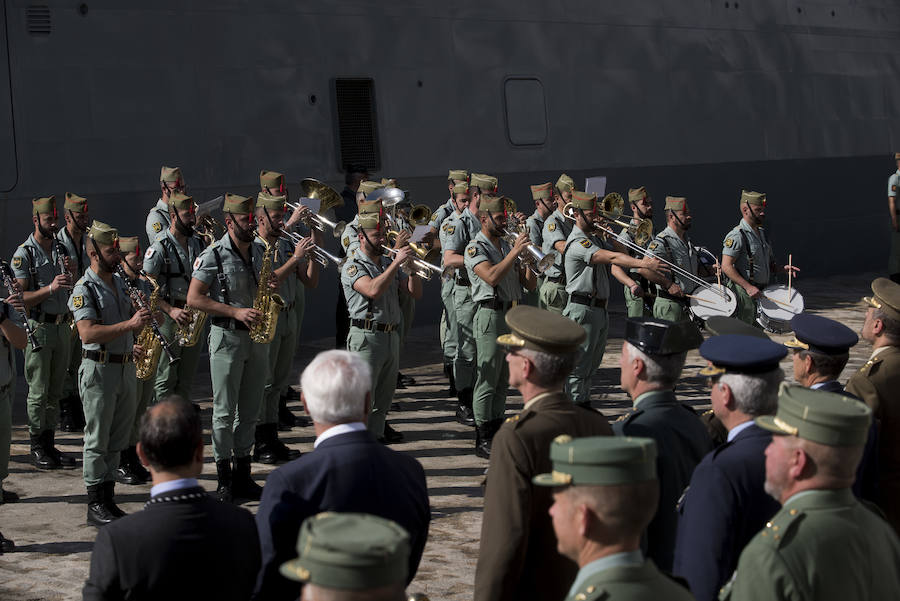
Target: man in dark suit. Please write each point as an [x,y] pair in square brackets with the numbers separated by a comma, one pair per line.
[518,558]
[349,471]
[725,504]
[653,356]
[163,551]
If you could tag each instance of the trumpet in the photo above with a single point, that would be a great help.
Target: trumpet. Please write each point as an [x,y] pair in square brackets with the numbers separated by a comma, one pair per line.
[535,259]
[318,222]
[421,267]
[321,256]
[642,231]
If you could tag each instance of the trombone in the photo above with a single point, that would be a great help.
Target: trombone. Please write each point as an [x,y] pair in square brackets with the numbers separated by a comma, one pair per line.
[318,222]
[320,255]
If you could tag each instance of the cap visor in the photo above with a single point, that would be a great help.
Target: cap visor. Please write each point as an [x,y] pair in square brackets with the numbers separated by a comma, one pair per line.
[794,343]
[294,570]
[711,370]
[510,340]
[767,422]
[547,480]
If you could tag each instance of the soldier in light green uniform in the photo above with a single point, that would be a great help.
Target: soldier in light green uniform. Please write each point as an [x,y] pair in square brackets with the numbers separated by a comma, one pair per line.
[605,493]
[454,177]
[542,195]
[107,324]
[398,221]
[12,336]
[497,278]
[75,211]
[292,268]
[824,543]
[587,291]
[637,291]
[169,260]
[894,211]
[460,201]
[552,294]
[38,266]
[372,285]
[674,245]
[461,228]
[158,220]
[224,284]
[747,256]
[350,237]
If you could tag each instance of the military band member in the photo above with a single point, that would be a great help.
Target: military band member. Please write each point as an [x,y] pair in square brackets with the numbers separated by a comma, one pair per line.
[459,199]
[587,291]
[75,212]
[12,336]
[674,245]
[292,267]
[224,284]
[638,296]
[399,220]
[497,278]
[158,220]
[372,285]
[552,294]
[169,260]
[518,557]
[107,324]
[653,355]
[454,177]
[823,544]
[606,490]
[543,206]
[46,285]
[894,210]
[747,256]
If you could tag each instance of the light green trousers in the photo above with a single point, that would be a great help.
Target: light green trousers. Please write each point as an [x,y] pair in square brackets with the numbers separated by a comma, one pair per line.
[6,400]
[670,310]
[45,372]
[108,393]
[489,400]
[448,320]
[178,378]
[381,350]
[595,322]
[634,305]
[746,306]
[553,296]
[144,398]
[464,362]
[281,359]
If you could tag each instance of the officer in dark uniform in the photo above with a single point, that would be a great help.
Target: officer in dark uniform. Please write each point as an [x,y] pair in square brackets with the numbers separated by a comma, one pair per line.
[653,356]
[518,557]
[725,504]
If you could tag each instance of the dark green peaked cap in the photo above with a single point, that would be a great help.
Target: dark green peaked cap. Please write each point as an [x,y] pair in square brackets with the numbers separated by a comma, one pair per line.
[540,330]
[600,460]
[827,418]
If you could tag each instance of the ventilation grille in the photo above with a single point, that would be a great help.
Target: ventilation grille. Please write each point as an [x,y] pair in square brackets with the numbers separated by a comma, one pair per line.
[38,19]
[357,132]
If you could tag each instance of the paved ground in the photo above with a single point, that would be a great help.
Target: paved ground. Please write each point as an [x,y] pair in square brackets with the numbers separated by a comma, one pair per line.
[54,544]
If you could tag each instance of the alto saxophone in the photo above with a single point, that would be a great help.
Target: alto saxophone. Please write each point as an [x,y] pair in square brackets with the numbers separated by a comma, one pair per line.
[268,303]
[189,335]
[146,367]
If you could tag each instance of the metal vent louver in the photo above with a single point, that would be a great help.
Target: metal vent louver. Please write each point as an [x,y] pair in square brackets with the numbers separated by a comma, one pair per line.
[38,18]
[357,131]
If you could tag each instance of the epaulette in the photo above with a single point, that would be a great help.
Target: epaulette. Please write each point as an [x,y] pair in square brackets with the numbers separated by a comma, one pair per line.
[514,418]
[591,593]
[521,418]
[777,530]
[870,366]
[628,417]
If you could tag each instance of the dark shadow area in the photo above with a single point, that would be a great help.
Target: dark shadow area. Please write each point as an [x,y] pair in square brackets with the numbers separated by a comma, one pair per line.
[60,548]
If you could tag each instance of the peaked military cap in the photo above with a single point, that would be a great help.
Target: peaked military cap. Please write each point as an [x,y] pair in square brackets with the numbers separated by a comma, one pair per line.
[827,418]
[584,200]
[171,174]
[179,200]
[542,191]
[661,337]
[753,198]
[492,204]
[735,353]
[350,551]
[271,179]
[370,221]
[103,233]
[885,296]
[130,244]
[821,335]
[486,183]
[636,194]
[75,203]
[461,188]
[565,183]
[718,325]
[368,187]
[270,202]
[675,203]
[458,174]
[45,205]
[237,205]
[599,460]
[540,330]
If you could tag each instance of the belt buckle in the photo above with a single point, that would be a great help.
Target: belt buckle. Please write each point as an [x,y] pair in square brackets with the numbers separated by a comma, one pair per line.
[367,324]
[104,356]
[127,358]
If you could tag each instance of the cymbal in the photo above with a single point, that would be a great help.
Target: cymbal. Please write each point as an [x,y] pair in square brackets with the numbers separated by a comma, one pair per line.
[313,188]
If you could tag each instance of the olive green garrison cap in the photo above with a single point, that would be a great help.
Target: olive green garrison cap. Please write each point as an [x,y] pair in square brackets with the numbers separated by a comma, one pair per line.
[600,460]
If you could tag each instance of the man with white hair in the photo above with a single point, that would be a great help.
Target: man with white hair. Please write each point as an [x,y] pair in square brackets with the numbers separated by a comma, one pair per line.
[725,504]
[348,471]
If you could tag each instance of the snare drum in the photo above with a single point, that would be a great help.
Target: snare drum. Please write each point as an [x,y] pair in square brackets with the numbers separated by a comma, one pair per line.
[775,316]
[715,300]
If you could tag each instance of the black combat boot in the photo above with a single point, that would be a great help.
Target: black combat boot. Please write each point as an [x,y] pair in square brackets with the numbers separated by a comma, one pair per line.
[243,486]
[404,380]
[483,441]
[97,513]
[223,472]
[448,373]
[39,456]
[50,449]
[283,453]
[109,498]
[286,419]
[263,449]
[464,414]
[125,473]
[392,436]
[68,420]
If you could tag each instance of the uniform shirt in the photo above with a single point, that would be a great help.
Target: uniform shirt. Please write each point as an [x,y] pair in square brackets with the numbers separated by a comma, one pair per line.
[616,560]
[535,225]
[481,249]
[350,237]
[157,220]
[625,238]
[759,248]
[7,355]
[386,308]
[556,229]
[40,273]
[167,261]
[441,213]
[467,227]
[894,184]
[76,252]
[618,577]
[449,225]
[282,253]
[241,277]
[669,246]
[582,276]
[114,307]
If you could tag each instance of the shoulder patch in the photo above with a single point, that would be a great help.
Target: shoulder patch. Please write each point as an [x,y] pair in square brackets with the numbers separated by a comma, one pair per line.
[17,262]
[729,242]
[551,227]
[472,251]
[777,530]
[346,241]
[586,243]
[893,188]
[157,227]
[78,301]
[352,270]
[197,262]
[450,229]
[150,252]
[653,245]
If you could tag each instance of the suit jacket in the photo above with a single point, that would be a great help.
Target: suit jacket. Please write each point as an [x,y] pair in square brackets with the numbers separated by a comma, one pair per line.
[183,545]
[682,441]
[350,472]
[518,557]
[724,507]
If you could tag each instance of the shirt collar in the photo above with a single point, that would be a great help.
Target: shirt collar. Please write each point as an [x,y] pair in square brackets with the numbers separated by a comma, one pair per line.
[732,434]
[648,394]
[165,487]
[616,560]
[878,351]
[539,397]
[338,430]
[819,385]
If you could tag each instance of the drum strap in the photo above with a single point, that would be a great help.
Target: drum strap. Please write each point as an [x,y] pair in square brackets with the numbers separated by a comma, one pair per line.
[746,242]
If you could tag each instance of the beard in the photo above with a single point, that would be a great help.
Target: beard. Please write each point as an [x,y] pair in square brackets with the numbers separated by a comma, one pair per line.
[243,235]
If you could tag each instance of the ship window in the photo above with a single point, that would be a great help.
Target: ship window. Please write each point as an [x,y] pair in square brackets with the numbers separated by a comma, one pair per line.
[37,17]
[357,123]
[526,111]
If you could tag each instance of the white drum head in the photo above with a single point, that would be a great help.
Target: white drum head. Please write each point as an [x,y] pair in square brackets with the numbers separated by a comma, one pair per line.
[712,301]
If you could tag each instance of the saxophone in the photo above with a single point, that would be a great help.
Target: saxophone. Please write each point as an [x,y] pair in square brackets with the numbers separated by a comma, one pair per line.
[189,335]
[266,302]
[146,367]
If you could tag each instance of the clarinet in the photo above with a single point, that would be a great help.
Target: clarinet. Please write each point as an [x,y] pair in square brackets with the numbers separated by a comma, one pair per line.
[138,299]
[9,281]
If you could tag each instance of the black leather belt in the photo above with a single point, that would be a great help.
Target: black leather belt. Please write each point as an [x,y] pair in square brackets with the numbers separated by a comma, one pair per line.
[560,279]
[41,317]
[587,299]
[497,304]
[229,323]
[372,326]
[667,296]
[105,357]
[178,304]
